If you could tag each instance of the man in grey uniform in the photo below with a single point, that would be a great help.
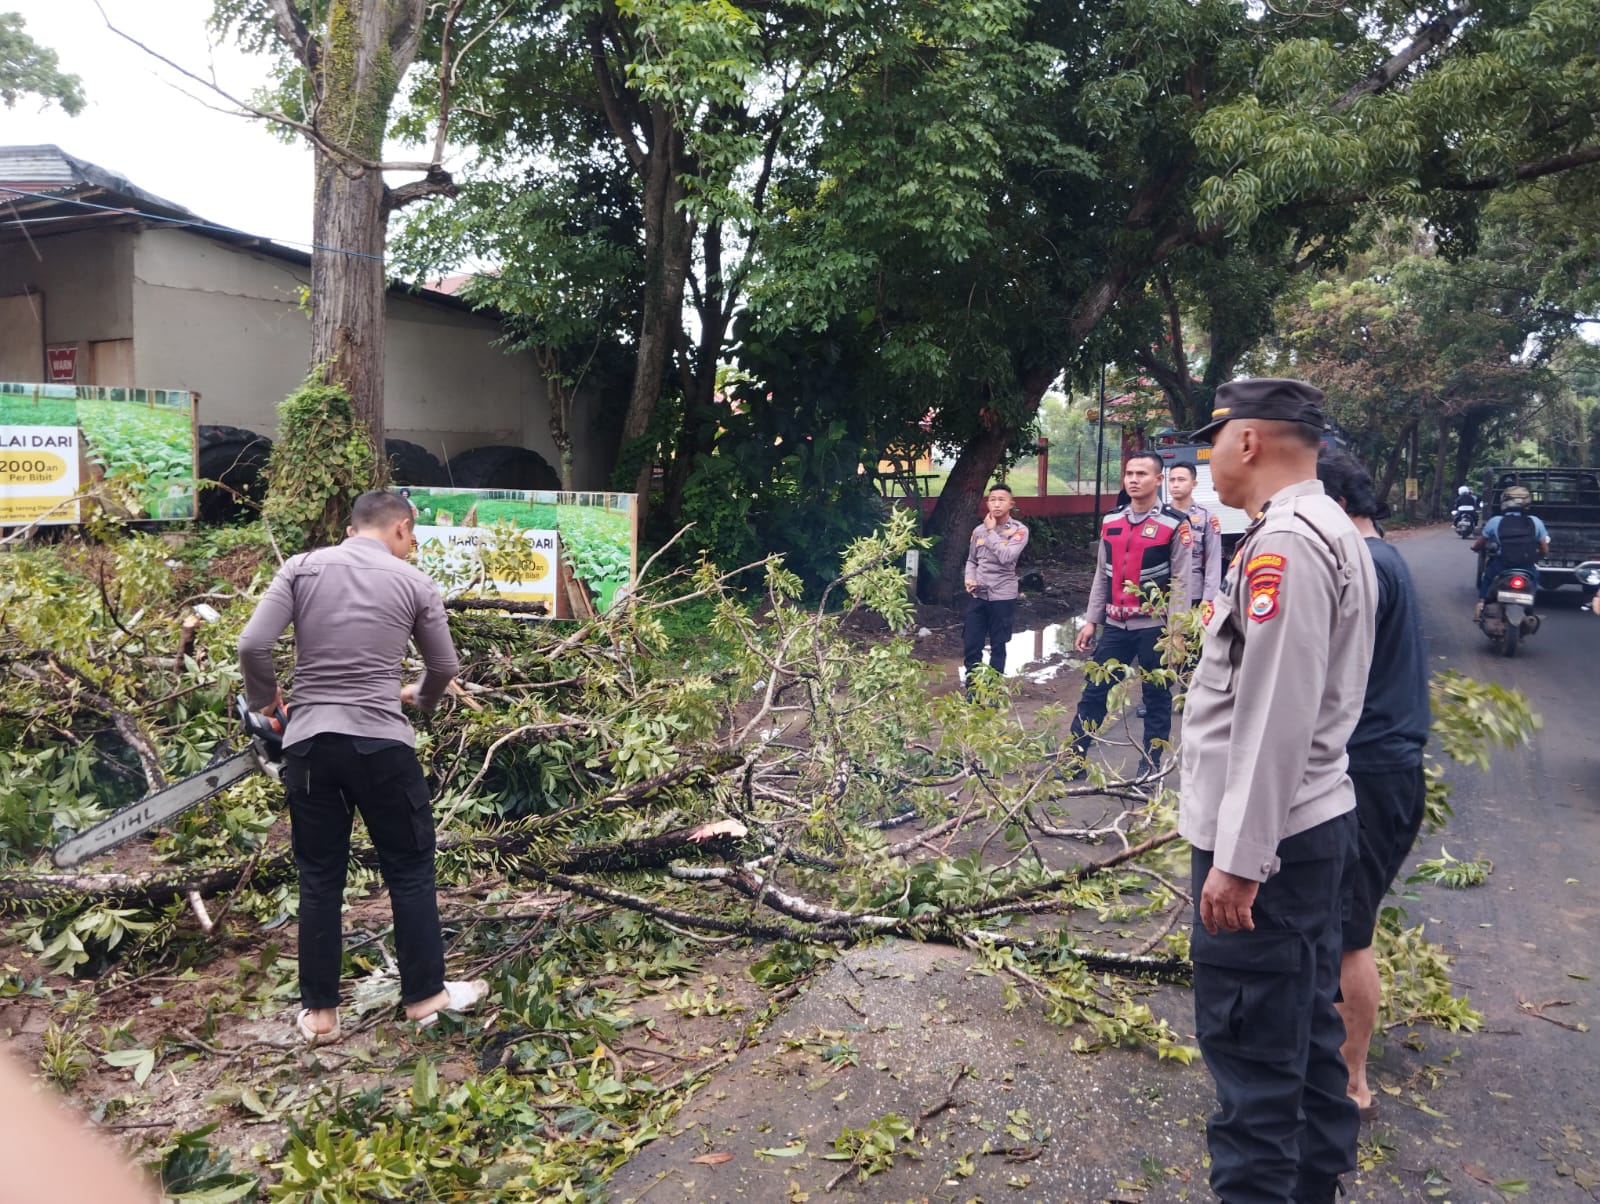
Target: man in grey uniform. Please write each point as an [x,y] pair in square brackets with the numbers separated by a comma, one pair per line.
[1205,559]
[1268,806]
[348,747]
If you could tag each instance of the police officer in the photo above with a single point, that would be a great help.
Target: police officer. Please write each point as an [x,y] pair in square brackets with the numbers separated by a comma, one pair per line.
[348,747]
[1207,527]
[1268,806]
[1144,548]
[991,578]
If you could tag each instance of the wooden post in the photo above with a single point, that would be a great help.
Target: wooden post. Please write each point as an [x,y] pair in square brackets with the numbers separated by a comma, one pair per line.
[1044,467]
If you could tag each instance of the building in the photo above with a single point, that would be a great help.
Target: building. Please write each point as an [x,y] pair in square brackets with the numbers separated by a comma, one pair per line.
[102,283]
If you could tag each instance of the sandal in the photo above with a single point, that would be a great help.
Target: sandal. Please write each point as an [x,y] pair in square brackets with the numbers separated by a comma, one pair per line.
[464,996]
[312,1038]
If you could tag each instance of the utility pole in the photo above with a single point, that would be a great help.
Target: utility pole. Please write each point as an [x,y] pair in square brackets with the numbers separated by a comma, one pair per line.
[1099,446]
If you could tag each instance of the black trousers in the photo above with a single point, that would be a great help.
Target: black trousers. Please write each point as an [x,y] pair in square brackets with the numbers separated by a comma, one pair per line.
[1263,1004]
[1126,646]
[988,621]
[328,779]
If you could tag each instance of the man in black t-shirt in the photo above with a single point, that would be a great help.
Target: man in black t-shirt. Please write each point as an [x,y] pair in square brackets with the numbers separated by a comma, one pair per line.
[1385,763]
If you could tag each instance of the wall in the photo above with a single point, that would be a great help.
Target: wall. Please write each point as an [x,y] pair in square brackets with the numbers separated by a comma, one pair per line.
[85,280]
[226,322]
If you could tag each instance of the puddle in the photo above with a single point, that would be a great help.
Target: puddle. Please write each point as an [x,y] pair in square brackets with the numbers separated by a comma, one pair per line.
[1039,653]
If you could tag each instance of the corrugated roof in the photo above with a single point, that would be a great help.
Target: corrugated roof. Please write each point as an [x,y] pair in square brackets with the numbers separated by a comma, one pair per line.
[50,165]
[65,178]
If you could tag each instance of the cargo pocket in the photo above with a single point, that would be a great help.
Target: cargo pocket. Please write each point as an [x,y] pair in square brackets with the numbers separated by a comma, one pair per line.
[1252,995]
[420,806]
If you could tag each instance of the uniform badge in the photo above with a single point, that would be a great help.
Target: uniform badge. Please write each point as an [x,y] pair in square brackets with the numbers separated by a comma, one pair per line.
[1207,609]
[1216,524]
[1185,534]
[1150,531]
[1263,581]
[1263,606]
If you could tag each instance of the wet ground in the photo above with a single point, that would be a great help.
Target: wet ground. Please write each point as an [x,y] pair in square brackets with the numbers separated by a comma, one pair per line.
[1008,1111]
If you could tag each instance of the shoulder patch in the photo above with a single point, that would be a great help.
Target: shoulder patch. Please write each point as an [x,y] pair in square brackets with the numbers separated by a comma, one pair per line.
[1263,582]
[1216,524]
[1185,534]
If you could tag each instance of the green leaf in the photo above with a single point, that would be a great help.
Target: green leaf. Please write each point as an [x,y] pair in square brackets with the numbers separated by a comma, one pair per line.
[140,1061]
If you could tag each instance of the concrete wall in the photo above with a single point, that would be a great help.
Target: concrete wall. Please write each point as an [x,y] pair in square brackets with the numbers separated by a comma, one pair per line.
[84,278]
[226,322]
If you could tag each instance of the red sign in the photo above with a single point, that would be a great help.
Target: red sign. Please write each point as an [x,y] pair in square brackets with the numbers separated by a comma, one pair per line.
[63,365]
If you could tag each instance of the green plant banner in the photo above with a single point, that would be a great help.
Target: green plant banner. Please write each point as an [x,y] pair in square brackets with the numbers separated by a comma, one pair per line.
[521,545]
[132,450]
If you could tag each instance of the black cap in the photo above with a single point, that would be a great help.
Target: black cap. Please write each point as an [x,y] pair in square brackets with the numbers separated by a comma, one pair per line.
[1274,397]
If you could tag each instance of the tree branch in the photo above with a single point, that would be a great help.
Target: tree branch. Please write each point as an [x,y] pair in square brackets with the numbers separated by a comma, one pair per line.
[1429,38]
[291,29]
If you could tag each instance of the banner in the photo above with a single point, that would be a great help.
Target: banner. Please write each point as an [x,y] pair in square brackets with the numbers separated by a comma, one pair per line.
[130,450]
[570,552]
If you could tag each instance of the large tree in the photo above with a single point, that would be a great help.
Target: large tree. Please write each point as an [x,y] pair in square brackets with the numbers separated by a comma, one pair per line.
[341,65]
[1175,127]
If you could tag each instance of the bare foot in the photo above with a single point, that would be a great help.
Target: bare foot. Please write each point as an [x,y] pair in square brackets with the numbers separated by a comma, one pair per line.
[321,1021]
[428,1006]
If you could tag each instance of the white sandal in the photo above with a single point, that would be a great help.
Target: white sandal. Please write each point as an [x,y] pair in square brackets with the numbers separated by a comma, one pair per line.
[312,1038]
[464,996]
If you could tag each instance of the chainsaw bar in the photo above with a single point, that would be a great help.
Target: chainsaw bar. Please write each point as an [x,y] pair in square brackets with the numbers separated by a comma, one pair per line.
[154,809]
[262,754]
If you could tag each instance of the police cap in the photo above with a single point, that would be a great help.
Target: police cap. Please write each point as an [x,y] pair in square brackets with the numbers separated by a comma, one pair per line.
[1274,397]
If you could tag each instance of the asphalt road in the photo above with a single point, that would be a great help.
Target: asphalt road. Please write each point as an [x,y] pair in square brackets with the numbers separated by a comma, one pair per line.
[1521,1100]
[1508,1113]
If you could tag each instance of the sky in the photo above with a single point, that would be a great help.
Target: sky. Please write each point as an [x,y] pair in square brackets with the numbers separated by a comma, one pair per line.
[145,122]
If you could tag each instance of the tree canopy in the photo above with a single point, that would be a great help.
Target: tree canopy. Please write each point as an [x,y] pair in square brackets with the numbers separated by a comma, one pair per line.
[29,69]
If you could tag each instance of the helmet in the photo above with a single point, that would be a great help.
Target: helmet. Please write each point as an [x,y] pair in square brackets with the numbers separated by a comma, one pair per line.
[1516,497]
[1463,491]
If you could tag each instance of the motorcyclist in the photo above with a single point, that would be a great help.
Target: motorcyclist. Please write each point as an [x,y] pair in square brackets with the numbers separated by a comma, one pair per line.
[1515,540]
[1465,497]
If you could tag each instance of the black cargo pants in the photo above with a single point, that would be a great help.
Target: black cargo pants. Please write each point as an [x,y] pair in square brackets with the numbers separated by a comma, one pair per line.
[1267,1027]
[328,778]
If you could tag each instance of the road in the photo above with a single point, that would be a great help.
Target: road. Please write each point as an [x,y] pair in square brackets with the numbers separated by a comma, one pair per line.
[1510,1112]
[1522,1099]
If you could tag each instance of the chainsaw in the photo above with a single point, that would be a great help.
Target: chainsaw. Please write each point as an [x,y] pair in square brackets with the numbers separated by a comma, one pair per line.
[264,753]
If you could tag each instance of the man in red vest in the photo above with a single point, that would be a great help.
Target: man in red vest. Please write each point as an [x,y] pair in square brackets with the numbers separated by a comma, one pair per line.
[1145,552]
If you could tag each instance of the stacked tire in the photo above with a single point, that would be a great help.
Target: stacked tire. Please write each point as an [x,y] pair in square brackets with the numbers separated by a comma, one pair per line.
[233,458]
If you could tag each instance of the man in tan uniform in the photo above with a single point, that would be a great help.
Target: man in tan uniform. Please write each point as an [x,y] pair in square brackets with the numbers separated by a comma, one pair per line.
[1267,804]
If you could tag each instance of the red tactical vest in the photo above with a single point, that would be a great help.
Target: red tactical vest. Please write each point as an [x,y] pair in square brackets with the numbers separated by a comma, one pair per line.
[1138,556]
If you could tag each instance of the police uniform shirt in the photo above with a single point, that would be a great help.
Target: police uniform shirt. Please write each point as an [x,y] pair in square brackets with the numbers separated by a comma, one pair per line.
[1207,553]
[1179,549]
[1280,684]
[992,559]
[354,608]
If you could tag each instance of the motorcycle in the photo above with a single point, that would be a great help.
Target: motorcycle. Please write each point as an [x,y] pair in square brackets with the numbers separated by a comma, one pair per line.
[1465,520]
[1504,617]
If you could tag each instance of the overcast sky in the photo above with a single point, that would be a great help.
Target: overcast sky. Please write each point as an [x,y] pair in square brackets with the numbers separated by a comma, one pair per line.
[138,123]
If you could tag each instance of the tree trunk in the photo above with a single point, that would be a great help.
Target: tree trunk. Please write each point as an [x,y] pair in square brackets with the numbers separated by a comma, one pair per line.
[1386,485]
[957,510]
[347,289]
[698,372]
[1441,469]
[1466,447]
[355,62]
[667,236]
